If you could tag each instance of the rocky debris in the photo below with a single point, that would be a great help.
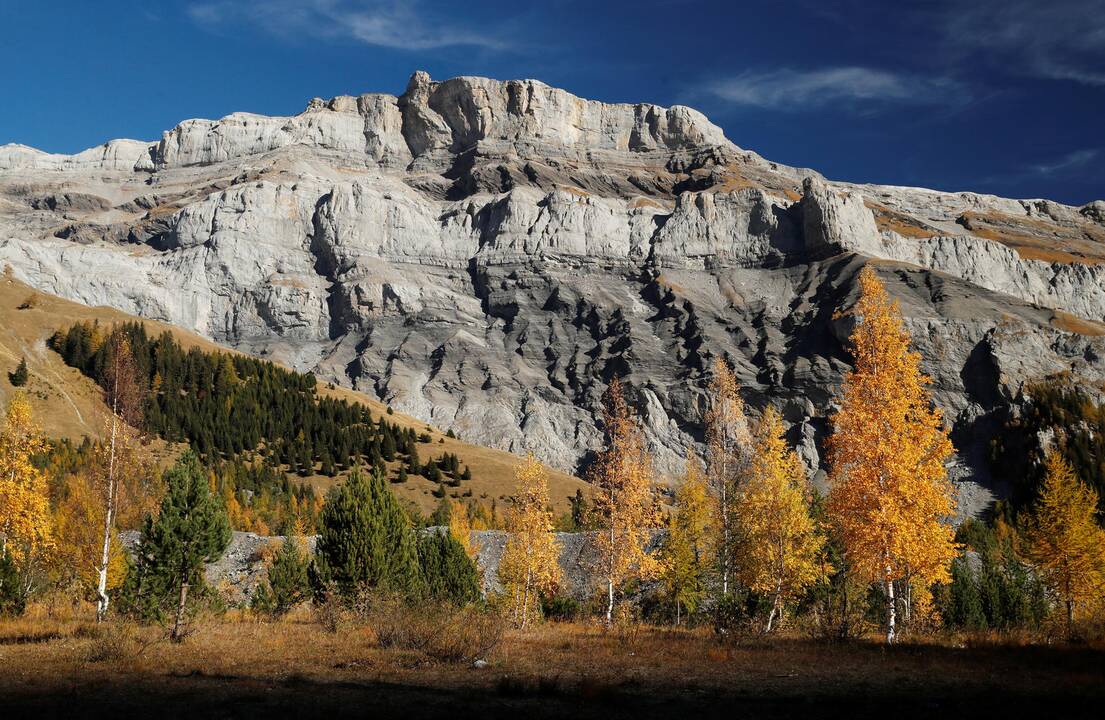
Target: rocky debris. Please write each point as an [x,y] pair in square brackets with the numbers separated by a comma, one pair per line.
[486,255]
[242,567]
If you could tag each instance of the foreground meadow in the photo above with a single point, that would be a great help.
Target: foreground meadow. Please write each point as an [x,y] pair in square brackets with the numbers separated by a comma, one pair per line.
[56,665]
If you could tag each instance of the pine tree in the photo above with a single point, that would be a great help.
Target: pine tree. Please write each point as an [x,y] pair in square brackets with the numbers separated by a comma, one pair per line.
[728,455]
[13,599]
[778,540]
[20,376]
[964,604]
[686,553]
[191,529]
[365,540]
[287,583]
[1064,540]
[622,477]
[889,490]
[529,567]
[447,571]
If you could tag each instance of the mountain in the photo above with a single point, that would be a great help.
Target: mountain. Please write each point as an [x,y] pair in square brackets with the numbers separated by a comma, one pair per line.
[486,255]
[67,404]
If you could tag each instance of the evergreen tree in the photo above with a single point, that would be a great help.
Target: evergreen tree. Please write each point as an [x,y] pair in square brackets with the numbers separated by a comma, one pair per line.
[449,574]
[963,607]
[12,598]
[191,529]
[443,512]
[21,374]
[287,584]
[365,540]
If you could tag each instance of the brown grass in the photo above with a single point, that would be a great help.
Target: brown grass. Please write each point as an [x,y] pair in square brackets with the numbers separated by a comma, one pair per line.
[1035,239]
[67,404]
[1074,324]
[294,665]
[887,219]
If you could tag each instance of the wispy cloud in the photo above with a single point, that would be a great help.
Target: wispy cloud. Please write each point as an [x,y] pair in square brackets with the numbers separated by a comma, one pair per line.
[1055,40]
[384,23]
[853,88]
[1073,164]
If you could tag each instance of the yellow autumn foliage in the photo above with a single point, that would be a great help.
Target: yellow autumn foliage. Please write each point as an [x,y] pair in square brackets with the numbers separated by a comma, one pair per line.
[728,456]
[25,522]
[530,566]
[1064,541]
[889,490]
[622,477]
[686,557]
[779,541]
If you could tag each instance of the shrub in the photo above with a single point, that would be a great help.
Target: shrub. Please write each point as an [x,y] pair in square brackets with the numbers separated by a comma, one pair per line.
[21,375]
[561,608]
[110,643]
[442,632]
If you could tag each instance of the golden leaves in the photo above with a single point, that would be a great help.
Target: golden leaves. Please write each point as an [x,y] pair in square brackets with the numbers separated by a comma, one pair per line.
[530,564]
[889,487]
[25,527]
[1063,538]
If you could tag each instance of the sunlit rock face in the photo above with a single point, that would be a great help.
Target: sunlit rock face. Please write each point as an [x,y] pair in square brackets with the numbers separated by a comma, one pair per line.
[487,255]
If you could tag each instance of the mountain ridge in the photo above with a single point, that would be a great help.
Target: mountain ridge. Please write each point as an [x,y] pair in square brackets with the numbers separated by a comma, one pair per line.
[486,255]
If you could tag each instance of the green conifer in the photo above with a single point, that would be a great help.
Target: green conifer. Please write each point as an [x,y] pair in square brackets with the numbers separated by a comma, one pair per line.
[365,540]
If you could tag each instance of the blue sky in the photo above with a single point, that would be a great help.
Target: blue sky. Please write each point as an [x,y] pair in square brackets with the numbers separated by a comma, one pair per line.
[1001,96]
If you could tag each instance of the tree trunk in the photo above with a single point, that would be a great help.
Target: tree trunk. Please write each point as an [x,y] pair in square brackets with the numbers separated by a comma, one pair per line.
[1070,619]
[891,613]
[109,518]
[724,539]
[178,626]
[610,581]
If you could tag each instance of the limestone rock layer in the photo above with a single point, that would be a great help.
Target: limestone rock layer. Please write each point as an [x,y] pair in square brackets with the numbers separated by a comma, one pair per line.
[487,255]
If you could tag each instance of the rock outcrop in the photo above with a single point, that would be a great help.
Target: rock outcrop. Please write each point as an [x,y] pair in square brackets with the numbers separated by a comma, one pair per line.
[486,255]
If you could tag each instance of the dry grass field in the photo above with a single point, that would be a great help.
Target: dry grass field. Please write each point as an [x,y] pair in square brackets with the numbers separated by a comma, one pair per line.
[67,404]
[236,667]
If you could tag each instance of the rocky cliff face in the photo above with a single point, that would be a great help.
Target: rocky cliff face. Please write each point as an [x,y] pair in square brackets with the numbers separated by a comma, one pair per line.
[486,255]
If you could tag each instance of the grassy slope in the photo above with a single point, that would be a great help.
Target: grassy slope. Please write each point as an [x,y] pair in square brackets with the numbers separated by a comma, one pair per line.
[67,404]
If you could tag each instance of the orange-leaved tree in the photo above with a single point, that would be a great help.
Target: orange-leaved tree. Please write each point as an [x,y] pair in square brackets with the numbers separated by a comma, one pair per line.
[889,491]
[530,564]
[728,457]
[623,507]
[779,541]
[26,532]
[1063,538]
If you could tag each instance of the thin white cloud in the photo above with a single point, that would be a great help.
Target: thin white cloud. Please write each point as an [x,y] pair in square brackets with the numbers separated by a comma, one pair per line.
[855,88]
[1055,40]
[1071,165]
[1072,161]
[383,23]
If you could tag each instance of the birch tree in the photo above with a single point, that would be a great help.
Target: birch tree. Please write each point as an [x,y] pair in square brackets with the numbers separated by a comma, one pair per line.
[728,444]
[530,564]
[889,491]
[124,396]
[622,477]
[779,541]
